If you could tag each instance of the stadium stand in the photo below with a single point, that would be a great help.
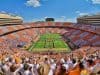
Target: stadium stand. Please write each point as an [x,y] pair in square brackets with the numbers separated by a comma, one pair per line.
[83,39]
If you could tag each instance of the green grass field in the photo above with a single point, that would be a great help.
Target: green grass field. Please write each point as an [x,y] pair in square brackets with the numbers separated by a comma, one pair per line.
[51,42]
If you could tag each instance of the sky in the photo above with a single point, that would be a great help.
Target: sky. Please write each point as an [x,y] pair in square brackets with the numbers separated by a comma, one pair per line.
[61,10]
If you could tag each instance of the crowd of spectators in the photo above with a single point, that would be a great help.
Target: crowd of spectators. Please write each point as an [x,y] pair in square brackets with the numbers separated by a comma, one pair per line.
[84,61]
[16,61]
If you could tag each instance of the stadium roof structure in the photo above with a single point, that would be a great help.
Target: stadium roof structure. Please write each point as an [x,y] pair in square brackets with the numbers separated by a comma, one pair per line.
[90,16]
[4,15]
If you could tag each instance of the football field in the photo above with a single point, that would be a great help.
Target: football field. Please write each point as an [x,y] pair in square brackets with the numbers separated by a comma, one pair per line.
[50,42]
